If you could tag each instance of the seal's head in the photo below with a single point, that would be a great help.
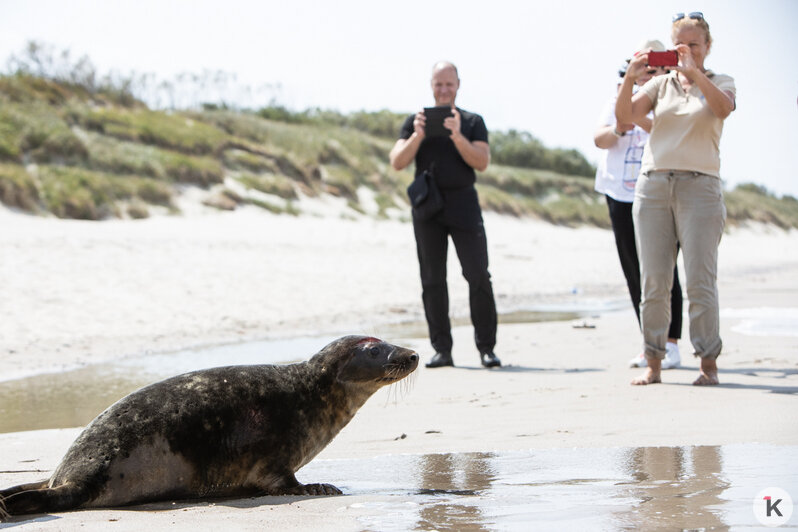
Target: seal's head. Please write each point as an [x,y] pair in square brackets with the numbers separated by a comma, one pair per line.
[367,362]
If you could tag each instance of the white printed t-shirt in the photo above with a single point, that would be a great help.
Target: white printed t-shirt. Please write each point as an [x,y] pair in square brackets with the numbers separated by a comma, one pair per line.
[619,165]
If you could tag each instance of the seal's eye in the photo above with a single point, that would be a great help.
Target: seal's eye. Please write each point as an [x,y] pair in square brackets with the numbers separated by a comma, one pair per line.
[374,351]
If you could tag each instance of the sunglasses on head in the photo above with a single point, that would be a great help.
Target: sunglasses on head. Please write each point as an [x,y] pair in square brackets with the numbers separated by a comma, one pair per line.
[695,15]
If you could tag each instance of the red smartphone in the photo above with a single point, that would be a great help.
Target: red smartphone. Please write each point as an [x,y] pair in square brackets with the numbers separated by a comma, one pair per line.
[666,58]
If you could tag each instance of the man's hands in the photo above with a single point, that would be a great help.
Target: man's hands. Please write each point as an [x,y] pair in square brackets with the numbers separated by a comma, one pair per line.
[419,123]
[452,123]
[404,151]
[476,154]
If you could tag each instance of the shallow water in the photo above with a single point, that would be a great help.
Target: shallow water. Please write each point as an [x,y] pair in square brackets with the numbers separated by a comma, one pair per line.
[74,397]
[764,321]
[679,488]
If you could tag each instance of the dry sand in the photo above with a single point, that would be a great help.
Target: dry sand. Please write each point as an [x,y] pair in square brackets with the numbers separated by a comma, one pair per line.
[77,293]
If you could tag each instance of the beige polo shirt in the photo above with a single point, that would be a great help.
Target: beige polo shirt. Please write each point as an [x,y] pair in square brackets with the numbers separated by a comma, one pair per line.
[685,134]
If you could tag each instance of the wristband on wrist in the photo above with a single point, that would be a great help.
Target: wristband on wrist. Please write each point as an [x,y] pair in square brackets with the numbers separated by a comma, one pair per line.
[618,133]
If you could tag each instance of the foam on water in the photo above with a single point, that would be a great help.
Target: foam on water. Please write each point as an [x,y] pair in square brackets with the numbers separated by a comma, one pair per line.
[763,321]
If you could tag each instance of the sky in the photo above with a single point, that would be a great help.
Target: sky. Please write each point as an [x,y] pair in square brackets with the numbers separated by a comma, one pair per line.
[543,67]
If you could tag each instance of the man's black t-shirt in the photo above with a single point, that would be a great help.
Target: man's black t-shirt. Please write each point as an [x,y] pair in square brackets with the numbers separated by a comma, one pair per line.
[450,170]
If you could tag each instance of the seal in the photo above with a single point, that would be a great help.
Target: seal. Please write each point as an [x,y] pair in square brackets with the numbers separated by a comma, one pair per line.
[218,433]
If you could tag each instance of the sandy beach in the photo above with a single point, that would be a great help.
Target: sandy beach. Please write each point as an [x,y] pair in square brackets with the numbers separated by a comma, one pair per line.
[77,294]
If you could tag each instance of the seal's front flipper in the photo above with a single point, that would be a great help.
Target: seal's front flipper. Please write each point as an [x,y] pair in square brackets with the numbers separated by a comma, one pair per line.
[37,501]
[316,489]
[291,486]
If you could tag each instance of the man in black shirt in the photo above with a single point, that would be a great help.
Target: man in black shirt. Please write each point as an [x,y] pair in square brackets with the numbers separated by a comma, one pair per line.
[452,160]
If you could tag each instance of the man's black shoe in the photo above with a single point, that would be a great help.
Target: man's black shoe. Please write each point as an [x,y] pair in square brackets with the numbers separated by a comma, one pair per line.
[440,359]
[490,360]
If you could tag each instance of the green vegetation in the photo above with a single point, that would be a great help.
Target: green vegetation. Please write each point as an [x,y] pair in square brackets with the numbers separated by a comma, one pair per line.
[173,131]
[753,202]
[122,157]
[277,185]
[74,192]
[559,199]
[384,124]
[18,188]
[39,131]
[521,149]
[75,146]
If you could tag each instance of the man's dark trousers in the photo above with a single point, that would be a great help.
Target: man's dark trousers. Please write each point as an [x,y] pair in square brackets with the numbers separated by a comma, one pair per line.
[432,241]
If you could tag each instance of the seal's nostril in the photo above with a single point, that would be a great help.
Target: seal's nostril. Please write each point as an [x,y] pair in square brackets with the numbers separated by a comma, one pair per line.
[413,357]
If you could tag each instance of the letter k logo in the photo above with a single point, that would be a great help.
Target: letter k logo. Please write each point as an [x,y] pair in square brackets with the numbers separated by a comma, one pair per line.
[772,506]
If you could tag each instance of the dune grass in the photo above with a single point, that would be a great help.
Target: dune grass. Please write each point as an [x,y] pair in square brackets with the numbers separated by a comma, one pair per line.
[300,150]
[18,188]
[269,183]
[174,131]
[92,153]
[70,192]
[750,202]
[237,159]
[124,157]
[40,132]
[557,198]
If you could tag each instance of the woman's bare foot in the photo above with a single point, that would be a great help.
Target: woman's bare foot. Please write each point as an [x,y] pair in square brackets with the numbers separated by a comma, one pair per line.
[652,374]
[709,373]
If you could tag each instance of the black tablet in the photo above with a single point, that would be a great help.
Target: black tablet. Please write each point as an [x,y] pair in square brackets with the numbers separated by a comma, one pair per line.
[435,117]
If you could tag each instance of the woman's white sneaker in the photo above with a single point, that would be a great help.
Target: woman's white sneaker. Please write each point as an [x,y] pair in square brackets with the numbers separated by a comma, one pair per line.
[672,358]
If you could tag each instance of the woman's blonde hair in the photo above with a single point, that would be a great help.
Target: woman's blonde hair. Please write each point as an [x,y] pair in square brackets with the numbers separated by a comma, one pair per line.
[688,21]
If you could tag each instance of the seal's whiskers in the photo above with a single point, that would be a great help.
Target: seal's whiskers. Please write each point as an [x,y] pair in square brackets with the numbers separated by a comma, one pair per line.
[400,388]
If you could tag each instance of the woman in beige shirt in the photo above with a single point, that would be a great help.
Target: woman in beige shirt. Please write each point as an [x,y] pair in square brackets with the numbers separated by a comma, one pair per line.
[679,197]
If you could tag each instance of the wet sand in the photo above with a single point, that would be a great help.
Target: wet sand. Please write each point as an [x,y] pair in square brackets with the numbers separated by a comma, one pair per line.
[642,488]
[553,424]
